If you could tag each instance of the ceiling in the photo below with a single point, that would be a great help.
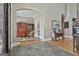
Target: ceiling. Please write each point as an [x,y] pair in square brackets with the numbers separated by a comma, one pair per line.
[26,13]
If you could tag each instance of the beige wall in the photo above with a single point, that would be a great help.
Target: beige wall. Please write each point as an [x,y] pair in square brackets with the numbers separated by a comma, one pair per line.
[25,19]
[71,12]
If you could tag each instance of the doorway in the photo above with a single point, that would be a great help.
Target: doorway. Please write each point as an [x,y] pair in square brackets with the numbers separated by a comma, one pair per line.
[4,38]
[25,27]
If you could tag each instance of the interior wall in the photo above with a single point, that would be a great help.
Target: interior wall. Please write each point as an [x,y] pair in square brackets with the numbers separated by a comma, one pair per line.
[53,12]
[25,19]
[39,20]
[13,26]
[71,12]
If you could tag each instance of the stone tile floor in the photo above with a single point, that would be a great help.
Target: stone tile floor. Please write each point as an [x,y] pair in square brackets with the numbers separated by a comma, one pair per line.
[40,49]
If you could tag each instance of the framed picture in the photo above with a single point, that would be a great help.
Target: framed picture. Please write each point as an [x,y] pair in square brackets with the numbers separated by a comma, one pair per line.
[55,25]
[66,24]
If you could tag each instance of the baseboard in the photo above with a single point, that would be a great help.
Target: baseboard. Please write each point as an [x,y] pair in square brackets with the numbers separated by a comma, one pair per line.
[47,39]
[36,35]
[13,44]
[70,37]
[41,38]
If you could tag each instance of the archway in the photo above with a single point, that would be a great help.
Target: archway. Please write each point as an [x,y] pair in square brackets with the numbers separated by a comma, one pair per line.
[28,25]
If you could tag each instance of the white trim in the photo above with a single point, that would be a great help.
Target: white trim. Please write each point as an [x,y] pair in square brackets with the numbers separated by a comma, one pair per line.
[41,38]
[48,39]
[13,44]
[68,37]
[36,35]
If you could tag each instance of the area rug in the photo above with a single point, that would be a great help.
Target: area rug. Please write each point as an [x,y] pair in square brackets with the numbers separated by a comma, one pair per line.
[40,49]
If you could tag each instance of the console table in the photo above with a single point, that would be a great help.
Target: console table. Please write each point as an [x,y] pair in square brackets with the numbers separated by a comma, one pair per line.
[57,35]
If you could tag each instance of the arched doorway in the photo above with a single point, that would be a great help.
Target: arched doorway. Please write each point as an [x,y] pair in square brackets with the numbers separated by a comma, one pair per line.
[28,25]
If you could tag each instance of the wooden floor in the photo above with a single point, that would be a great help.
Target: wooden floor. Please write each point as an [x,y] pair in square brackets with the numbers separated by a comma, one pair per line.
[27,42]
[66,44]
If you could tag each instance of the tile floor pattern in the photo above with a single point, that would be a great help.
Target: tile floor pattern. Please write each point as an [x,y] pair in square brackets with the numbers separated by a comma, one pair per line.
[40,49]
[2,54]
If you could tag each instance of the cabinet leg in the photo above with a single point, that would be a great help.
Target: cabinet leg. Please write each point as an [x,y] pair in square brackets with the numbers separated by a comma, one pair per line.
[74,45]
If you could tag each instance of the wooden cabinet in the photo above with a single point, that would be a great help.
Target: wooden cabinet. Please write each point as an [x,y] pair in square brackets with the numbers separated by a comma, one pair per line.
[75,28]
[76,42]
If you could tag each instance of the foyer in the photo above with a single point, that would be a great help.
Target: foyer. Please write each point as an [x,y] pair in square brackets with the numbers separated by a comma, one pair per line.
[42,29]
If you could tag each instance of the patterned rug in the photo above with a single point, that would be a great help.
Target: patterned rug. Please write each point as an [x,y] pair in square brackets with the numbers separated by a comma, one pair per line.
[40,49]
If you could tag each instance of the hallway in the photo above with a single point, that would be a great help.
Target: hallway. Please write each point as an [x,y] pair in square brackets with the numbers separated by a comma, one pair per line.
[30,22]
[39,49]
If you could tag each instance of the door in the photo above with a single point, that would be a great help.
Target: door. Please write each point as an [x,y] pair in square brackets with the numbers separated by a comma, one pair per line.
[3,28]
[38,26]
